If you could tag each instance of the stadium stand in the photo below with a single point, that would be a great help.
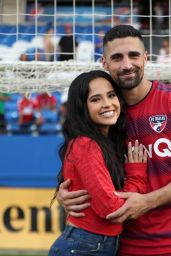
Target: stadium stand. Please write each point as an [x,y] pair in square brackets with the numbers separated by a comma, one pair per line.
[28,39]
[26,36]
[51,121]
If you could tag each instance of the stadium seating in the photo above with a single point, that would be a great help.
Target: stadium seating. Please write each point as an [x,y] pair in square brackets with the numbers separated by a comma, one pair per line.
[17,40]
[26,38]
[51,121]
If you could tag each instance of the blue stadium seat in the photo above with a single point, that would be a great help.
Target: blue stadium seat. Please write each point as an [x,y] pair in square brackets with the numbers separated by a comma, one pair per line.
[14,97]
[10,106]
[11,116]
[49,116]
[13,128]
[49,128]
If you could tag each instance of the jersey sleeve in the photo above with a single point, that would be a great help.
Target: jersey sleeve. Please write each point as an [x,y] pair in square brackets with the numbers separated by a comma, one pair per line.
[136,178]
[96,179]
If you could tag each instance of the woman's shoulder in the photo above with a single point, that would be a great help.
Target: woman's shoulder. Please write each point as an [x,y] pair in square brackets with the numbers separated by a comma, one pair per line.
[84,140]
[83,143]
[83,146]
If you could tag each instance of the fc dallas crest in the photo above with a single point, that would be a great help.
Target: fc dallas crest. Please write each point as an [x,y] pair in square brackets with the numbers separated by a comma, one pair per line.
[158,122]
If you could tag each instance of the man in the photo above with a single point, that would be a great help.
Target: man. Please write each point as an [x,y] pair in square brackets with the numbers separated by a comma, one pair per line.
[147,230]
[67,44]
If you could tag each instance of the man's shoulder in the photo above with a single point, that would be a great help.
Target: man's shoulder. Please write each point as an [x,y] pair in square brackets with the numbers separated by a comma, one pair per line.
[162,87]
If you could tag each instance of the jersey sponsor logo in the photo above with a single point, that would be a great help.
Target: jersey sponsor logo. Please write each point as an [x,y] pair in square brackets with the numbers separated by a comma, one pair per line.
[158,122]
[161,147]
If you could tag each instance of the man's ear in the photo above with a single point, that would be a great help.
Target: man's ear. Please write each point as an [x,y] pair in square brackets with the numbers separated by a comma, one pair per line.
[104,63]
[146,57]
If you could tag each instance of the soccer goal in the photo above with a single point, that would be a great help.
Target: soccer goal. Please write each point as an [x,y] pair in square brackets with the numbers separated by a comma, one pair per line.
[30,54]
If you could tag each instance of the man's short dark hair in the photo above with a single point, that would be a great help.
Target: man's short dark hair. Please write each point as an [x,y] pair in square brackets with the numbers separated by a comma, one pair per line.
[121,31]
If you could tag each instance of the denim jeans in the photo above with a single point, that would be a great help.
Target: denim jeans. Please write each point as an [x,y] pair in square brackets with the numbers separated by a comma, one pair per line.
[79,242]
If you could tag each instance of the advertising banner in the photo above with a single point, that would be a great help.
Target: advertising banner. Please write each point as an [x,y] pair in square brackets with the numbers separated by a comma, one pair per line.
[27,221]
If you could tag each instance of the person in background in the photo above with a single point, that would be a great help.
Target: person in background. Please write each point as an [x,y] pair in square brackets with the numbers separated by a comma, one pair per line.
[67,44]
[46,104]
[35,54]
[44,101]
[48,44]
[28,115]
[34,11]
[158,19]
[164,53]
[92,156]
[146,217]
[3,98]
[23,57]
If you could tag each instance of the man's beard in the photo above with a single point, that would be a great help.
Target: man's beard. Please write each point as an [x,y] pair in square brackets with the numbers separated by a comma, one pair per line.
[129,84]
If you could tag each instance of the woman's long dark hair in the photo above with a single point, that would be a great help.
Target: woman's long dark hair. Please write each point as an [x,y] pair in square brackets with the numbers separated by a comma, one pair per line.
[79,123]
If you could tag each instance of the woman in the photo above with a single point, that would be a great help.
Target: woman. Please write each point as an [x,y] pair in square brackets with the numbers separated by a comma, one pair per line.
[92,157]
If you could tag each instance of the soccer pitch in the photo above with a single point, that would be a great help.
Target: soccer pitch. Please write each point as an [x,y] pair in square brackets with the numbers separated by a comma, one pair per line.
[18,254]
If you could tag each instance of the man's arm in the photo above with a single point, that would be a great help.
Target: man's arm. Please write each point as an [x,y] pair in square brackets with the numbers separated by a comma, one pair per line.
[73,202]
[138,204]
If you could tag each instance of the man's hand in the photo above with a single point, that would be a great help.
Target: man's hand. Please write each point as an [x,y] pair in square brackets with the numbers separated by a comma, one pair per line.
[73,202]
[135,206]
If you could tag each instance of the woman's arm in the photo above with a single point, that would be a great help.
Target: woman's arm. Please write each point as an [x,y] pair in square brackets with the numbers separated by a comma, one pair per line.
[94,176]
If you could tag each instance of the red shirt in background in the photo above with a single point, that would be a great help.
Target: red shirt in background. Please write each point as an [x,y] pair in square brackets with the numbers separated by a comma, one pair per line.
[26,108]
[45,101]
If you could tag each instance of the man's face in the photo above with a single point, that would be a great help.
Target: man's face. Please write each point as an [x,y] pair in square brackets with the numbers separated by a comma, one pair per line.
[125,59]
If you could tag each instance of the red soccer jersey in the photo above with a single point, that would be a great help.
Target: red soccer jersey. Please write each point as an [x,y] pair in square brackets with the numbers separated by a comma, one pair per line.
[85,166]
[26,108]
[45,101]
[150,122]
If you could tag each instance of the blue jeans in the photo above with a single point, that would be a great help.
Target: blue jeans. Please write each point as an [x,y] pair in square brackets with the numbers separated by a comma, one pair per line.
[79,242]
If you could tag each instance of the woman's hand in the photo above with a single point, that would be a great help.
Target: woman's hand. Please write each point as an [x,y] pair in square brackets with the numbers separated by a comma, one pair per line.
[136,153]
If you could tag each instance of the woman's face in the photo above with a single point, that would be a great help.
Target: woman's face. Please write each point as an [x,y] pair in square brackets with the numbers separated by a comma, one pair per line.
[103,104]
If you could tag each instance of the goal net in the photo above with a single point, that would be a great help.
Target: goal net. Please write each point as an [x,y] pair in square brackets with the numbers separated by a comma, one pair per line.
[33,57]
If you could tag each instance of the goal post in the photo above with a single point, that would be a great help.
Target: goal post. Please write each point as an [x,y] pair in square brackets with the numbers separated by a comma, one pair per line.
[35,77]
[24,33]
